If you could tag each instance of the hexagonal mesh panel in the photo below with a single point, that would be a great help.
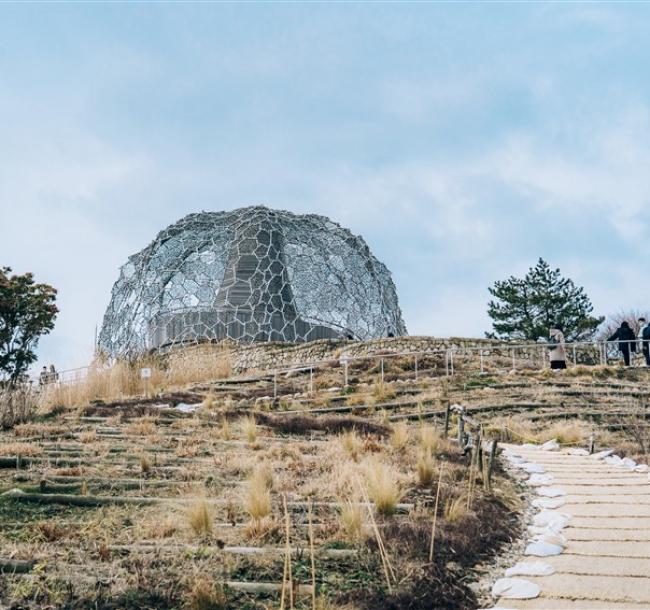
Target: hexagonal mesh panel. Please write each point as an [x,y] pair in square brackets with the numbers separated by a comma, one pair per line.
[252,274]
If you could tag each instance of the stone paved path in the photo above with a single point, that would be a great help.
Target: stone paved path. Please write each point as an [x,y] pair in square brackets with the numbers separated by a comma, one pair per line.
[606,561]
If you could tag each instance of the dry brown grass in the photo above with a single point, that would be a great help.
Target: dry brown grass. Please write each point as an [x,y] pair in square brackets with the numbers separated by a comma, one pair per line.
[43,430]
[199,366]
[123,379]
[426,469]
[224,431]
[519,430]
[510,429]
[400,436]
[429,438]
[20,449]
[199,518]
[382,487]
[141,427]
[88,436]
[209,402]
[249,429]
[206,595]
[257,498]
[565,432]
[455,509]
[356,400]
[50,531]
[266,527]
[145,464]
[17,405]
[351,444]
[351,520]
[383,391]
[188,448]
[160,528]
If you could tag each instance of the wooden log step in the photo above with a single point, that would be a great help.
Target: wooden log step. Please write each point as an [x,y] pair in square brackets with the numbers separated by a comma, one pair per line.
[233,550]
[265,588]
[91,501]
[101,482]
[76,500]
[351,408]
[15,566]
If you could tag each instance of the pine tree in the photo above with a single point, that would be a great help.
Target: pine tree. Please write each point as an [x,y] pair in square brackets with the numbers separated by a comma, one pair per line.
[525,309]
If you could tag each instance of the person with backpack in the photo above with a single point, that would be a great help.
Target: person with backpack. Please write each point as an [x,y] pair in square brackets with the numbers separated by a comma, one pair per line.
[557,353]
[626,341]
[644,337]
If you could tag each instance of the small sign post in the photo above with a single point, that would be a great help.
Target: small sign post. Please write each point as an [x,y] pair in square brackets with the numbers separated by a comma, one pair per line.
[145,373]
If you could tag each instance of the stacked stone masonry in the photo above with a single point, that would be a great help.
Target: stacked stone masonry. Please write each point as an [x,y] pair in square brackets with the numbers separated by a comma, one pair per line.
[281,355]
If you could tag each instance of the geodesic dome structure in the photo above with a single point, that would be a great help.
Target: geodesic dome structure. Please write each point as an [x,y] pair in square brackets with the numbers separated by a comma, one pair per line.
[252,274]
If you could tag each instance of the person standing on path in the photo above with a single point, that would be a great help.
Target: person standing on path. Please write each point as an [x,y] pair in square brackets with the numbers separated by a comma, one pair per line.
[626,341]
[557,352]
[644,339]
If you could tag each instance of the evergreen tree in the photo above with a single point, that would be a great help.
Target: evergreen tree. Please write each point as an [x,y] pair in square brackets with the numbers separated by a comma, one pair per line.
[525,309]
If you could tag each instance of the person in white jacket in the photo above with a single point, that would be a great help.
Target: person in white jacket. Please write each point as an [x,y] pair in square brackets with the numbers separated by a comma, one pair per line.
[557,353]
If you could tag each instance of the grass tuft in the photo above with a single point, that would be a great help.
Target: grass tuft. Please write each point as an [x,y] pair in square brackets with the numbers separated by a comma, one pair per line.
[257,500]
[400,436]
[351,520]
[383,490]
[429,438]
[199,518]
[206,595]
[426,469]
[249,429]
[351,444]
[455,509]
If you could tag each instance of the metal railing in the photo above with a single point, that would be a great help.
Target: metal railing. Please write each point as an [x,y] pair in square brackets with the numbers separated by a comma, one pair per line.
[489,359]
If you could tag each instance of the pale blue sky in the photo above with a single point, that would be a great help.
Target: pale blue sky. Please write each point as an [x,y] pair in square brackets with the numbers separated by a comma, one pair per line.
[462,140]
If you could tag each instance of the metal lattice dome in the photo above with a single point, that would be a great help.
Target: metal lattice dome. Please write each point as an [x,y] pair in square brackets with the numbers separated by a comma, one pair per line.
[252,274]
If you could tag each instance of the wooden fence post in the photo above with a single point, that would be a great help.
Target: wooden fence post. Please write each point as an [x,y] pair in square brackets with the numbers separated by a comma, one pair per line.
[461,428]
[493,454]
[447,414]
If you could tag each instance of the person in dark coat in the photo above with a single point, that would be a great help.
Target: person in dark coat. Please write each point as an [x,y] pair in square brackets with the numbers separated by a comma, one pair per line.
[644,339]
[626,341]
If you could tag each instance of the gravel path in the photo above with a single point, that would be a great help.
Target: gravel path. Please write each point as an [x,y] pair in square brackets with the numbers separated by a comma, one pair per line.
[606,559]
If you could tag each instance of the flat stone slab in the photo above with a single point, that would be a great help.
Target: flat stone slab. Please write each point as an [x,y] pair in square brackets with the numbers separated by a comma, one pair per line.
[545,603]
[598,565]
[635,499]
[623,490]
[584,480]
[602,588]
[607,510]
[619,535]
[613,522]
[609,549]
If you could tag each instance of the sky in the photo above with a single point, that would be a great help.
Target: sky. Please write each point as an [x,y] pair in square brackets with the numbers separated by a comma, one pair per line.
[463,141]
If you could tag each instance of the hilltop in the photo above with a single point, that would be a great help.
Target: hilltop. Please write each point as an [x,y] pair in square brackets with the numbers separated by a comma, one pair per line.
[246,486]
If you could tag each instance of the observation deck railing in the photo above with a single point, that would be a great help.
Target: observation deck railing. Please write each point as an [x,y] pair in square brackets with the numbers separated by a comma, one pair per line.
[491,359]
